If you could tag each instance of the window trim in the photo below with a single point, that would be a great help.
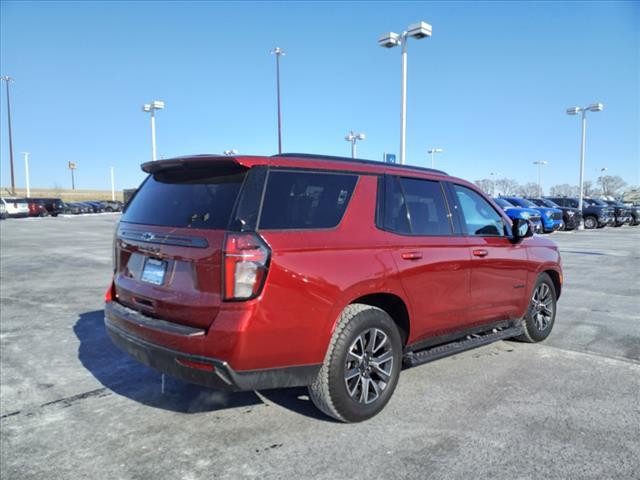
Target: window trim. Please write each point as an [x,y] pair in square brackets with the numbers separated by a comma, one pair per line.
[386,178]
[461,220]
[305,170]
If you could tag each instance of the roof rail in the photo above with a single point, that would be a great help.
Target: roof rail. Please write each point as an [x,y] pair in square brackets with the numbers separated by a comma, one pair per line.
[359,160]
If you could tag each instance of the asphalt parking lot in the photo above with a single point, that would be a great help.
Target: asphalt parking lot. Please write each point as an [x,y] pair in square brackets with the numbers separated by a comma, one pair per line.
[72,406]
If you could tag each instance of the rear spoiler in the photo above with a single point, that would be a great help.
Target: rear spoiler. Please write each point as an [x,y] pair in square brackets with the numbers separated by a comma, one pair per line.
[191,161]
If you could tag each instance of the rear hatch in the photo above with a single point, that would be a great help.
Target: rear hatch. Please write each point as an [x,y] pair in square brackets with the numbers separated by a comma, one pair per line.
[168,245]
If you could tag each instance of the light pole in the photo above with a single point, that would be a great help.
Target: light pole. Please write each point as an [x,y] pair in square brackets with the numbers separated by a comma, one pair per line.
[432,152]
[278,52]
[72,167]
[113,186]
[353,138]
[233,151]
[493,177]
[13,180]
[151,108]
[26,172]
[594,107]
[540,164]
[389,40]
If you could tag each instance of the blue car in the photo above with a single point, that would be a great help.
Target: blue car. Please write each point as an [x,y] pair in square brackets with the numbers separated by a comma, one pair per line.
[551,217]
[514,212]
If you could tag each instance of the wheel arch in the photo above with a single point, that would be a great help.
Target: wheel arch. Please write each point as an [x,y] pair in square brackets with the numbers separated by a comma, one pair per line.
[394,306]
[556,278]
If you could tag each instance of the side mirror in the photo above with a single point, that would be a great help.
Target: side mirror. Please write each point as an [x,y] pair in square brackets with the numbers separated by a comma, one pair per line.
[521,229]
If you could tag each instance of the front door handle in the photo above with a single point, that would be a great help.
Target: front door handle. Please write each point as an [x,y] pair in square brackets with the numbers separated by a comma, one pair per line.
[480,252]
[412,255]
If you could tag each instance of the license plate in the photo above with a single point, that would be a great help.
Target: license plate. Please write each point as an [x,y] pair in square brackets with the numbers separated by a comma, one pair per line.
[153,271]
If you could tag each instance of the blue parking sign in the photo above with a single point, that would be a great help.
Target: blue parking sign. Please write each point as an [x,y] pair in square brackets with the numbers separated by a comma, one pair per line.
[390,158]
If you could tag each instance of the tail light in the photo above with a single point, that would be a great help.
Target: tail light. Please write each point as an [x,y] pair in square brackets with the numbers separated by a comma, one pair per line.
[110,294]
[246,261]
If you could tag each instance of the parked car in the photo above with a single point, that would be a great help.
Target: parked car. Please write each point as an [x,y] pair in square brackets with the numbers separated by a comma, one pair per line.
[16,207]
[635,213]
[112,205]
[551,217]
[54,206]
[73,208]
[571,217]
[622,214]
[96,206]
[3,211]
[593,215]
[37,208]
[514,212]
[249,272]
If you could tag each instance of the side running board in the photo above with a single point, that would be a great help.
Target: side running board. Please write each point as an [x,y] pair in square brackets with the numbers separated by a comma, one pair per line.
[411,359]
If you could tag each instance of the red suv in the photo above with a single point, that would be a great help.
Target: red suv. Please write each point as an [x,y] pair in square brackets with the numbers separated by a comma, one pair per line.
[248,272]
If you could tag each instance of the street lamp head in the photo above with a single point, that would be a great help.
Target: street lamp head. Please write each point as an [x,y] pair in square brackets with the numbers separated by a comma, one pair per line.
[146,107]
[595,107]
[157,105]
[389,40]
[233,151]
[435,150]
[6,78]
[419,30]
[277,51]
[360,136]
[573,110]
[540,162]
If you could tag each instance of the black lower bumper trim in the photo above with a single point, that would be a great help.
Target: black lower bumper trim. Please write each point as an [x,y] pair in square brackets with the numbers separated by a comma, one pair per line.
[221,375]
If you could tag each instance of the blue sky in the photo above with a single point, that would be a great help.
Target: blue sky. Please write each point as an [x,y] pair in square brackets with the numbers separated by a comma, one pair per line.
[490,86]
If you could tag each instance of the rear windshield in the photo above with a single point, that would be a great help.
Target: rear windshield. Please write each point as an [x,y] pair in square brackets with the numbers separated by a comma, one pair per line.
[305,200]
[187,198]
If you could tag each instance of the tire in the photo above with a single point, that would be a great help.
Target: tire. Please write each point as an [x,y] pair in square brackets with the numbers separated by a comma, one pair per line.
[590,222]
[362,331]
[538,321]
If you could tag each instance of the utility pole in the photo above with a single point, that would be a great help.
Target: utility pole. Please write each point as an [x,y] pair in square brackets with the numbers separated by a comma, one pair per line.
[26,171]
[72,167]
[278,53]
[113,187]
[13,180]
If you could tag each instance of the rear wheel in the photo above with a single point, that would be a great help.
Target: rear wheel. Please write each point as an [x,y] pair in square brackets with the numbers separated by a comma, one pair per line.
[362,365]
[590,222]
[541,314]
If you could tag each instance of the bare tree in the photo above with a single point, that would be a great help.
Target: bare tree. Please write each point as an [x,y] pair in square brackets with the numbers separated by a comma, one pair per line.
[564,190]
[506,186]
[486,185]
[529,190]
[611,184]
[589,189]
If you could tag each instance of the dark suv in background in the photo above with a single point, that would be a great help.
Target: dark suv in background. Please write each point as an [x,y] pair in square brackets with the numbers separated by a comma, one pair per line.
[54,206]
[248,272]
[572,217]
[622,213]
[594,215]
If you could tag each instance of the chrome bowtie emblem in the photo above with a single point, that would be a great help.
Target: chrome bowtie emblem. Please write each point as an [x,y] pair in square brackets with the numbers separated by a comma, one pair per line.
[147,236]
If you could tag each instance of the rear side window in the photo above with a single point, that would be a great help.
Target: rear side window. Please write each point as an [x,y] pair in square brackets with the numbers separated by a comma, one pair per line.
[305,200]
[187,198]
[416,207]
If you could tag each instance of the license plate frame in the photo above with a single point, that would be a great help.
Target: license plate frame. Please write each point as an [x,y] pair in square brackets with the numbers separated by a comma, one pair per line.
[154,271]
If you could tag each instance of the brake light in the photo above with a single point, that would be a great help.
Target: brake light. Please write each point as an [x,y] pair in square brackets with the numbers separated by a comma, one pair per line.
[246,261]
[109,295]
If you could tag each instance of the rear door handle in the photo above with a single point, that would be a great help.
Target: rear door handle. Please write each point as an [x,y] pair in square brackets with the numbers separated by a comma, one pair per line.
[480,252]
[412,255]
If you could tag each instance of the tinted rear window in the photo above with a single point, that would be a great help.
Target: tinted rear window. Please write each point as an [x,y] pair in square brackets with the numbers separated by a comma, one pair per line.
[304,200]
[187,198]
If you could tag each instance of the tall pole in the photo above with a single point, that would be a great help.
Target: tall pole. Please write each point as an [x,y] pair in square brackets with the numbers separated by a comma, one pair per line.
[26,171]
[113,186]
[13,180]
[539,179]
[582,146]
[278,52]
[153,135]
[353,148]
[73,181]
[403,101]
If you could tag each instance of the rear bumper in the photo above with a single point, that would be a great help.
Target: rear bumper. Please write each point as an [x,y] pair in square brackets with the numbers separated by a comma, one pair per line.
[199,369]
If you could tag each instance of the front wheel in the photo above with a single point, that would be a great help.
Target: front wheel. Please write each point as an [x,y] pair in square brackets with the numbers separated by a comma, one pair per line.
[362,365]
[541,314]
[590,222]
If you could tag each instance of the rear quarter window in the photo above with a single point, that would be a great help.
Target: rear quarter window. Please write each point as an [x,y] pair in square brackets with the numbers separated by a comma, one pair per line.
[305,200]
